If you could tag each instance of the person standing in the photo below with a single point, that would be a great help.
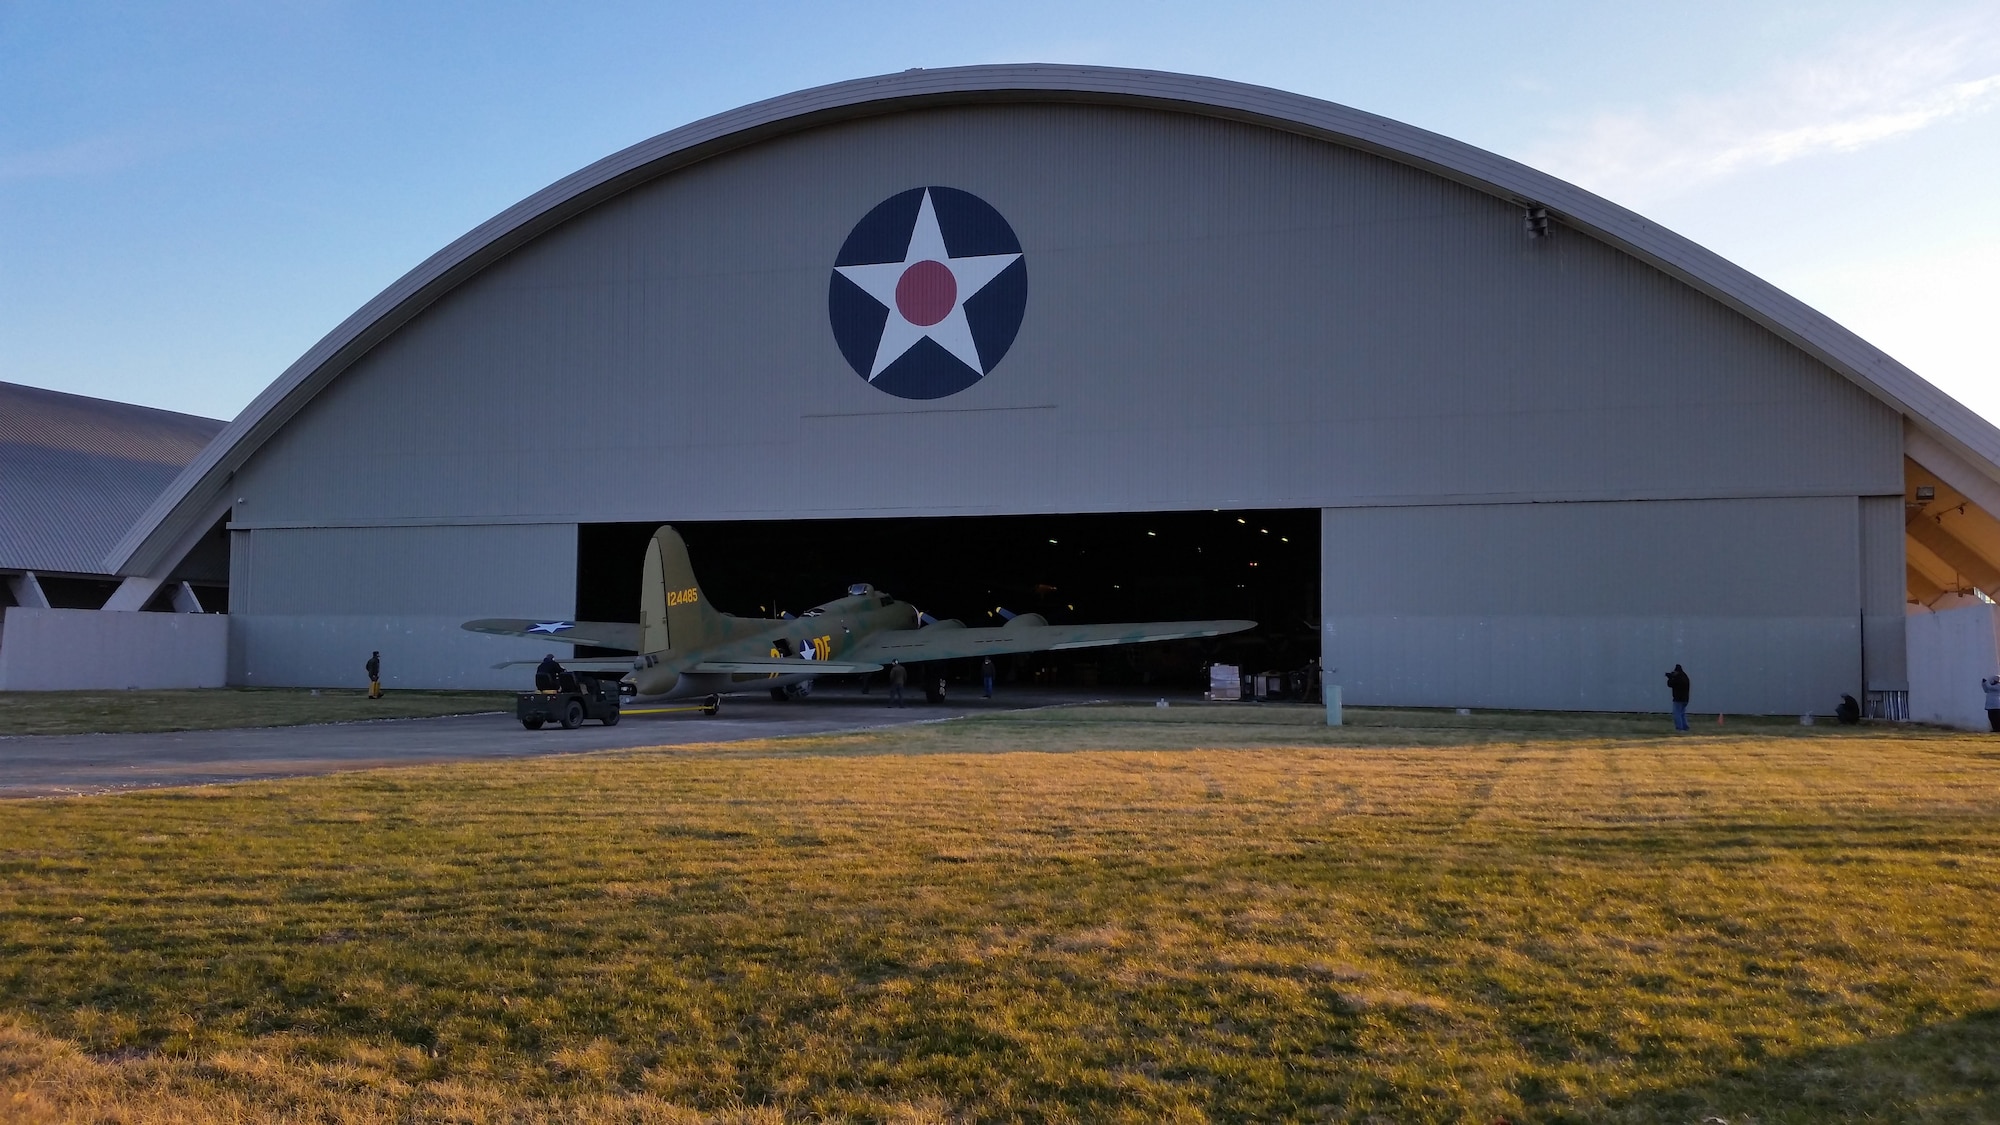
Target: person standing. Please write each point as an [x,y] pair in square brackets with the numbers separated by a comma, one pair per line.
[1677,683]
[898,676]
[986,675]
[374,667]
[1992,689]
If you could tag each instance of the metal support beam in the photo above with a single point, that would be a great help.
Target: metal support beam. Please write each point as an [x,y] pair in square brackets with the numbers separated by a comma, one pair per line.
[185,600]
[1960,557]
[1952,469]
[1935,571]
[1922,588]
[27,591]
[133,593]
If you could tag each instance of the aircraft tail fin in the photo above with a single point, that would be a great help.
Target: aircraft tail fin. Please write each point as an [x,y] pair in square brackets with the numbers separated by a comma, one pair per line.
[673,612]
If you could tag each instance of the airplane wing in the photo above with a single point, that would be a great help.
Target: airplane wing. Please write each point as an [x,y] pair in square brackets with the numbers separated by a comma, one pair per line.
[786,666]
[605,634]
[1020,635]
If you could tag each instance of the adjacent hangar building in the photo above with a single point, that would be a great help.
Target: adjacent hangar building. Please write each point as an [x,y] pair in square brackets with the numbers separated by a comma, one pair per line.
[1553,448]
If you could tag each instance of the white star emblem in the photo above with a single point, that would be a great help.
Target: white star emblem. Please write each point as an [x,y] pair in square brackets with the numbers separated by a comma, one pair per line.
[550,627]
[925,294]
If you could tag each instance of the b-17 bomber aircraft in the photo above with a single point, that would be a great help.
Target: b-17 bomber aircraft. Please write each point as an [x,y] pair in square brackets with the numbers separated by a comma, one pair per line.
[688,649]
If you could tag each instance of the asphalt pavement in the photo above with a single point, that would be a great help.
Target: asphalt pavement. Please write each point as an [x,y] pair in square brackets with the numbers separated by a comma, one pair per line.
[60,765]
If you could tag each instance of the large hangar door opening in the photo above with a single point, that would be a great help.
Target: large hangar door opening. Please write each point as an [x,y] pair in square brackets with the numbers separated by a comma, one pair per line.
[1263,565]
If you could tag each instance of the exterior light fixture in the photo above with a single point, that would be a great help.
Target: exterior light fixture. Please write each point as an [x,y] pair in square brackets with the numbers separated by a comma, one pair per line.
[1926,492]
[1536,219]
[1243,521]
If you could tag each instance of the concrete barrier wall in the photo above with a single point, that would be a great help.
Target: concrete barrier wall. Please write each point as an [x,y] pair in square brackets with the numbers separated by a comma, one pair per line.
[82,649]
[1950,652]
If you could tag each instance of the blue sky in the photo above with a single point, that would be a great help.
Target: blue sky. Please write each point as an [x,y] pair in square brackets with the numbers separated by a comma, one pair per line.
[191,194]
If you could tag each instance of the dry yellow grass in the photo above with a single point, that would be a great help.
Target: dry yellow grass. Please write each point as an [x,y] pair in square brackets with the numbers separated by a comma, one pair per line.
[1187,915]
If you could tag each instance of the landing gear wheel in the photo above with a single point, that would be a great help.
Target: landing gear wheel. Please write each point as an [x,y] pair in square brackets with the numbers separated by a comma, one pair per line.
[572,715]
[711,705]
[610,720]
[778,695]
[532,724]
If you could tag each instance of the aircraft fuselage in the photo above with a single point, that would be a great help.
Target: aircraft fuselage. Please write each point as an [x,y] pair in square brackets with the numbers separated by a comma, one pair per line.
[823,633]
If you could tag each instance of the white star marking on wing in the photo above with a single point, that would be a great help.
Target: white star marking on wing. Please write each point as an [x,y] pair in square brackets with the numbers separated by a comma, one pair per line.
[550,627]
[952,333]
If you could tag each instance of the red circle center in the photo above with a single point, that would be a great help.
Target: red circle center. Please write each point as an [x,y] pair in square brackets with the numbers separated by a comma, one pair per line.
[926,293]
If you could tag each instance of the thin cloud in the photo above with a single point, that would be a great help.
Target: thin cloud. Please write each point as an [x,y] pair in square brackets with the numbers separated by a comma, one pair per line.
[87,157]
[1891,84]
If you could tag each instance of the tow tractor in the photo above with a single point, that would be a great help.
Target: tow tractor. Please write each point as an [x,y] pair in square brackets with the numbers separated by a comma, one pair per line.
[568,700]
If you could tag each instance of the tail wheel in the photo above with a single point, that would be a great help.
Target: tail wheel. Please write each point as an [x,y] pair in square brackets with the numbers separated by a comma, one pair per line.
[713,705]
[572,714]
[778,694]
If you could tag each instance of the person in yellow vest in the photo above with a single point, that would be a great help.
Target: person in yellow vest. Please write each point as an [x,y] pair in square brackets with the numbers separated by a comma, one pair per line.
[374,667]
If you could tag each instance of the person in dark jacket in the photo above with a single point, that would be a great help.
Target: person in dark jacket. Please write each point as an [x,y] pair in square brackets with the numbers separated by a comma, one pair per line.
[1849,711]
[986,674]
[374,667]
[898,676]
[548,674]
[1992,689]
[1677,683]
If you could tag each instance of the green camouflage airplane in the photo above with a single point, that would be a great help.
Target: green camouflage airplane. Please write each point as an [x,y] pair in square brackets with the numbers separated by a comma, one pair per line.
[688,649]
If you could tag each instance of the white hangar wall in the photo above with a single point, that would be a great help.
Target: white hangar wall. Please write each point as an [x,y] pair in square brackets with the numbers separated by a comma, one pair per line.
[1219,315]
[311,603]
[1768,602]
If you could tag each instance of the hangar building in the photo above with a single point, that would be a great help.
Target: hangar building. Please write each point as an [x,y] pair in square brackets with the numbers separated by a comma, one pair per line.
[1551,448]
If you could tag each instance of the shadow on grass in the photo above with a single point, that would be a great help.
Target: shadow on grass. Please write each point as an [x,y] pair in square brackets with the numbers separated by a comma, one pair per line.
[1946,1072]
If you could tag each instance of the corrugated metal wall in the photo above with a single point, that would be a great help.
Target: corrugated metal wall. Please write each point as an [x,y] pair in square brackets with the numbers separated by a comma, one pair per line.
[1218,316]
[320,600]
[1884,594]
[1586,606]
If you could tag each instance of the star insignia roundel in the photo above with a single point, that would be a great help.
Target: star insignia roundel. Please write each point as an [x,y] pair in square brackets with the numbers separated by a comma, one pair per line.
[928,292]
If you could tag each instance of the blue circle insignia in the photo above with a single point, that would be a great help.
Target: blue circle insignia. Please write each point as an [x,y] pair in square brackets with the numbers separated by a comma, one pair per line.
[928,292]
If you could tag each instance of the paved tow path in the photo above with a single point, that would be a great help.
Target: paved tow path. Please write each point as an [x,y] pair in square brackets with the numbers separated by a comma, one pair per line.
[74,764]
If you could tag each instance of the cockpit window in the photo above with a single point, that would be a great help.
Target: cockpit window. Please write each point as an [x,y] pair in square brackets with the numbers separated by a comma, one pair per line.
[859,589]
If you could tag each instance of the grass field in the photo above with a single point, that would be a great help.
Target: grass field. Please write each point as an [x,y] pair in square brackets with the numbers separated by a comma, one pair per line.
[90,712]
[1098,914]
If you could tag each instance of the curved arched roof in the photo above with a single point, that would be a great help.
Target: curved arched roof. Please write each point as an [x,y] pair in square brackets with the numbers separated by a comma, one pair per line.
[193,500]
